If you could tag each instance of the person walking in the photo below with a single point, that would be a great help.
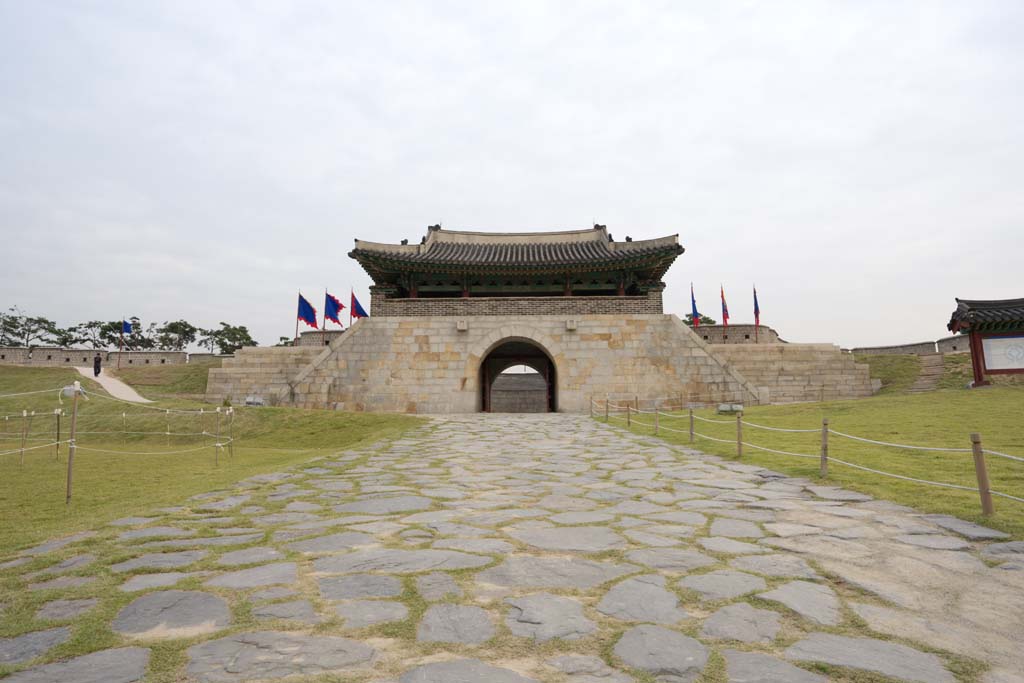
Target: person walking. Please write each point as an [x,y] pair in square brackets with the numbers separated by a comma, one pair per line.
[97,362]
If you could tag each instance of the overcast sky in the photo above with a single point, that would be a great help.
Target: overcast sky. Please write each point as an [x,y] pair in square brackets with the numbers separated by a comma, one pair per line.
[861,162]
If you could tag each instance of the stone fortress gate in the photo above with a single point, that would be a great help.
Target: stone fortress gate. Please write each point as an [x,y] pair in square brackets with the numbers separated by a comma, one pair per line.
[584,311]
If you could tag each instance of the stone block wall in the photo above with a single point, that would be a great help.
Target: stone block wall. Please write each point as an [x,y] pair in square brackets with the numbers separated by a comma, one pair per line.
[52,356]
[651,303]
[959,343]
[737,334]
[318,337]
[428,365]
[919,348]
[788,373]
[514,393]
[262,372]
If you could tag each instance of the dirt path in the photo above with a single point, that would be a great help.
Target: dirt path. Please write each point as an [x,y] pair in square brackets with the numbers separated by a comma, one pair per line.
[114,386]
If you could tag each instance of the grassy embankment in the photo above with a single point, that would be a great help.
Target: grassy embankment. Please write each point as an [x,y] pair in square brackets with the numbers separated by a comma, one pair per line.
[939,418]
[165,381]
[897,372]
[112,485]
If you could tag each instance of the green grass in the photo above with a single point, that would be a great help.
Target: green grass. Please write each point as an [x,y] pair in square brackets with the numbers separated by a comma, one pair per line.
[155,381]
[937,418]
[111,485]
[897,372]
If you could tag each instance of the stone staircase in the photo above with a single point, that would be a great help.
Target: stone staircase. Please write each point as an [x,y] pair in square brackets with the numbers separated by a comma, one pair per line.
[931,373]
[794,373]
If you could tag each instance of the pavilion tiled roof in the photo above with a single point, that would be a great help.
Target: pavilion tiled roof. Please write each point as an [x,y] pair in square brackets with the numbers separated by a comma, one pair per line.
[999,315]
[468,252]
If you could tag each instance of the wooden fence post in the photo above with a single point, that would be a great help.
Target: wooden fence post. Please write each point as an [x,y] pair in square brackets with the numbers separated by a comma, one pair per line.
[216,441]
[24,433]
[984,489]
[591,405]
[636,400]
[628,410]
[606,408]
[77,387]
[656,413]
[739,435]
[231,433]
[691,425]
[56,416]
[823,469]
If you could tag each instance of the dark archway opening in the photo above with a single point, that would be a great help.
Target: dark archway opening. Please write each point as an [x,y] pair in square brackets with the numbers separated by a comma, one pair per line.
[517,394]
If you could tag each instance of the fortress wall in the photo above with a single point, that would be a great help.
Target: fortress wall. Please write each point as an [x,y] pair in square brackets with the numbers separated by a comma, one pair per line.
[429,365]
[651,303]
[788,373]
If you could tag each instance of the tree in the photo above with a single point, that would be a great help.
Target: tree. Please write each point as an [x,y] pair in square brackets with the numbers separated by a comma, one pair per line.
[35,329]
[176,335]
[230,338]
[704,320]
[10,324]
[285,341]
[68,336]
[208,338]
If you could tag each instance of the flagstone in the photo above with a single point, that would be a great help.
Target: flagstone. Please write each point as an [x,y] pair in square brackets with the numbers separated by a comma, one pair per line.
[742,622]
[172,614]
[666,655]
[160,561]
[754,667]
[448,623]
[300,611]
[274,654]
[642,598]
[249,556]
[586,539]
[398,561]
[723,584]
[31,645]
[775,565]
[462,671]
[147,581]
[543,616]
[120,665]
[387,505]
[531,571]
[256,577]
[359,586]
[363,613]
[334,543]
[59,610]
[879,656]
[670,559]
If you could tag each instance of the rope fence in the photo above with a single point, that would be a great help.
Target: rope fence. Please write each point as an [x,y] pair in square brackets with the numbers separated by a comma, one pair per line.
[147,424]
[624,411]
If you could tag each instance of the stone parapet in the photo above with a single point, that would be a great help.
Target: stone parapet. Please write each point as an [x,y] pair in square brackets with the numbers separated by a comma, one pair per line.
[737,334]
[651,303]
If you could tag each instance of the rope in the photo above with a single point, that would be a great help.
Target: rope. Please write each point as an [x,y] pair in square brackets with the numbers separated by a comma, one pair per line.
[33,448]
[645,424]
[1002,455]
[780,429]
[900,476]
[772,450]
[711,438]
[718,422]
[188,450]
[1006,495]
[900,445]
[79,431]
[201,411]
[32,393]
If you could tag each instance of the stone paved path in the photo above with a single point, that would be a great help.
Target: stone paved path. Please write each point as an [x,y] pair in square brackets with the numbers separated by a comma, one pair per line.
[113,385]
[530,548]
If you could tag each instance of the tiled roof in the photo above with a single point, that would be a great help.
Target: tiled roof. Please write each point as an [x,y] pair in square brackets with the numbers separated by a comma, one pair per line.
[459,250]
[992,315]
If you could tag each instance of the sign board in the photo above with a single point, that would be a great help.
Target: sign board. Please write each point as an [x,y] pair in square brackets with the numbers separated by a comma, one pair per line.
[1004,353]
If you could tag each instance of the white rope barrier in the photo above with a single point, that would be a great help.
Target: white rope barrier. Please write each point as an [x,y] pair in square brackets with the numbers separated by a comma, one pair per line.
[772,450]
[1006,495]
[900,445]
[1003,455]
[201,411]
[32,393]
[900,476]
[780,429]
[33,448]
[711,438]
[717,422]
[645,424]
[178,452]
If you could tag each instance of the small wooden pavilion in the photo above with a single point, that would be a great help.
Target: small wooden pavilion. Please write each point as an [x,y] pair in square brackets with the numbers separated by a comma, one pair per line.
[996,332]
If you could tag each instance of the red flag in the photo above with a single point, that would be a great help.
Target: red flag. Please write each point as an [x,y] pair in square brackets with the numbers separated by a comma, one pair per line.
[725,309]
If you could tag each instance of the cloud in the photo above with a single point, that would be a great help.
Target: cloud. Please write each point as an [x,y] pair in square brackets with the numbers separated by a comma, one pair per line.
[861,162]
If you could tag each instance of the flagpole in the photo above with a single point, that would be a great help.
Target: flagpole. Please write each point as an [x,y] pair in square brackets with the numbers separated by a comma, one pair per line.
[351,299]
[757,316]
[120,343]
[324,328]
[295,342]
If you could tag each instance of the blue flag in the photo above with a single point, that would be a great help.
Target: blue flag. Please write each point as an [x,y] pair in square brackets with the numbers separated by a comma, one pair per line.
[757,310]
[332,308]
[356,311]
[307,313]
[126,327]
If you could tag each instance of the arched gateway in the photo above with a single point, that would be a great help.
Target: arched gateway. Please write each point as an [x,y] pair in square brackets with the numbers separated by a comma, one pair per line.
[453,311]
[509,353]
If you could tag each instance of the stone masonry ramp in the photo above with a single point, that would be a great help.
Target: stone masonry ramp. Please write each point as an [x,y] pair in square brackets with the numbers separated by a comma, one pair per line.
[518,549]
